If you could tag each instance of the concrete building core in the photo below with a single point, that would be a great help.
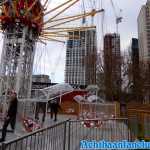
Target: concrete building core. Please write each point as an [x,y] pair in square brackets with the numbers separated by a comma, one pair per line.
[112,67]
[135,77]
[81,58]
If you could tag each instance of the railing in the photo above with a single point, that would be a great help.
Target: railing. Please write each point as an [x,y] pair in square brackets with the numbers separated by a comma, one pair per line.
[50,138]
[109,130]
[100,109]
[68,134]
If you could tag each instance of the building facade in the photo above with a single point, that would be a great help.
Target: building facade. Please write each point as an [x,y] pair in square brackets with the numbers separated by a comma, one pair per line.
[112,67]
[144,32]
[135,73]
[144,48]
[81,58]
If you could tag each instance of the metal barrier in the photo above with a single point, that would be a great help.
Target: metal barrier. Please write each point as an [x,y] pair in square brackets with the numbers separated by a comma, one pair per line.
[109,130]
[50,138]
[68,134]
[98,110]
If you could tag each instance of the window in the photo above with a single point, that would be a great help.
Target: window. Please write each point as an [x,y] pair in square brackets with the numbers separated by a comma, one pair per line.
[70,43]
[77,43]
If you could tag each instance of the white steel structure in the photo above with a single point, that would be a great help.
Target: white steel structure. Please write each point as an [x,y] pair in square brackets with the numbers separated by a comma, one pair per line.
[17,59]
[23,23]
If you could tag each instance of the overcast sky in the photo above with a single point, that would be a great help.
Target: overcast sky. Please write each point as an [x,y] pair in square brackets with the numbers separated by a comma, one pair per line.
[50,58]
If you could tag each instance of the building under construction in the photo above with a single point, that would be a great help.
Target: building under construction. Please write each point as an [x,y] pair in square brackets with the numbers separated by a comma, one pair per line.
[112,67]
[81,58]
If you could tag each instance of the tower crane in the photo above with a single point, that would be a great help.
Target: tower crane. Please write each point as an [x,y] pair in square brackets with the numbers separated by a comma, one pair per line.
[117,16]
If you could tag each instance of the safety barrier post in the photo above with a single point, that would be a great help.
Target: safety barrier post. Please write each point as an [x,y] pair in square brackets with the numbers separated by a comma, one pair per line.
[69,124]
[3,146]
[64,144]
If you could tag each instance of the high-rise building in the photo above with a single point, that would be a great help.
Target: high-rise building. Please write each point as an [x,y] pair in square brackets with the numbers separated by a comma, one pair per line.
[144,32]
[81,58]
[135,73]
[112,67]
[135,51]
[144,46]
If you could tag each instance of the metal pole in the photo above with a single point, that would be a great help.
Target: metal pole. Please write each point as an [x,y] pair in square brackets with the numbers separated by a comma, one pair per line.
[64,144]
[20,62]
[46,116]
[69,124]
[3,146]
[60,96]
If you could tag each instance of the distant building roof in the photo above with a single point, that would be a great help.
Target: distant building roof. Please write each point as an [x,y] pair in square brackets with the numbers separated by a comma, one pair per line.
[57,89]
[41,78]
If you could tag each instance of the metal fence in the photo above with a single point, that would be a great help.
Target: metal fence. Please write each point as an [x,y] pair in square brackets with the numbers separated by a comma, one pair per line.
[50,138]
[109,130]
[98,110]
[68,134]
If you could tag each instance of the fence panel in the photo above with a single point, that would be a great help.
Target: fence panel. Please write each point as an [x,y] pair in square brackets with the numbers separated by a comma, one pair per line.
[109,130]
[68,134]
[98,110]
[51,138]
